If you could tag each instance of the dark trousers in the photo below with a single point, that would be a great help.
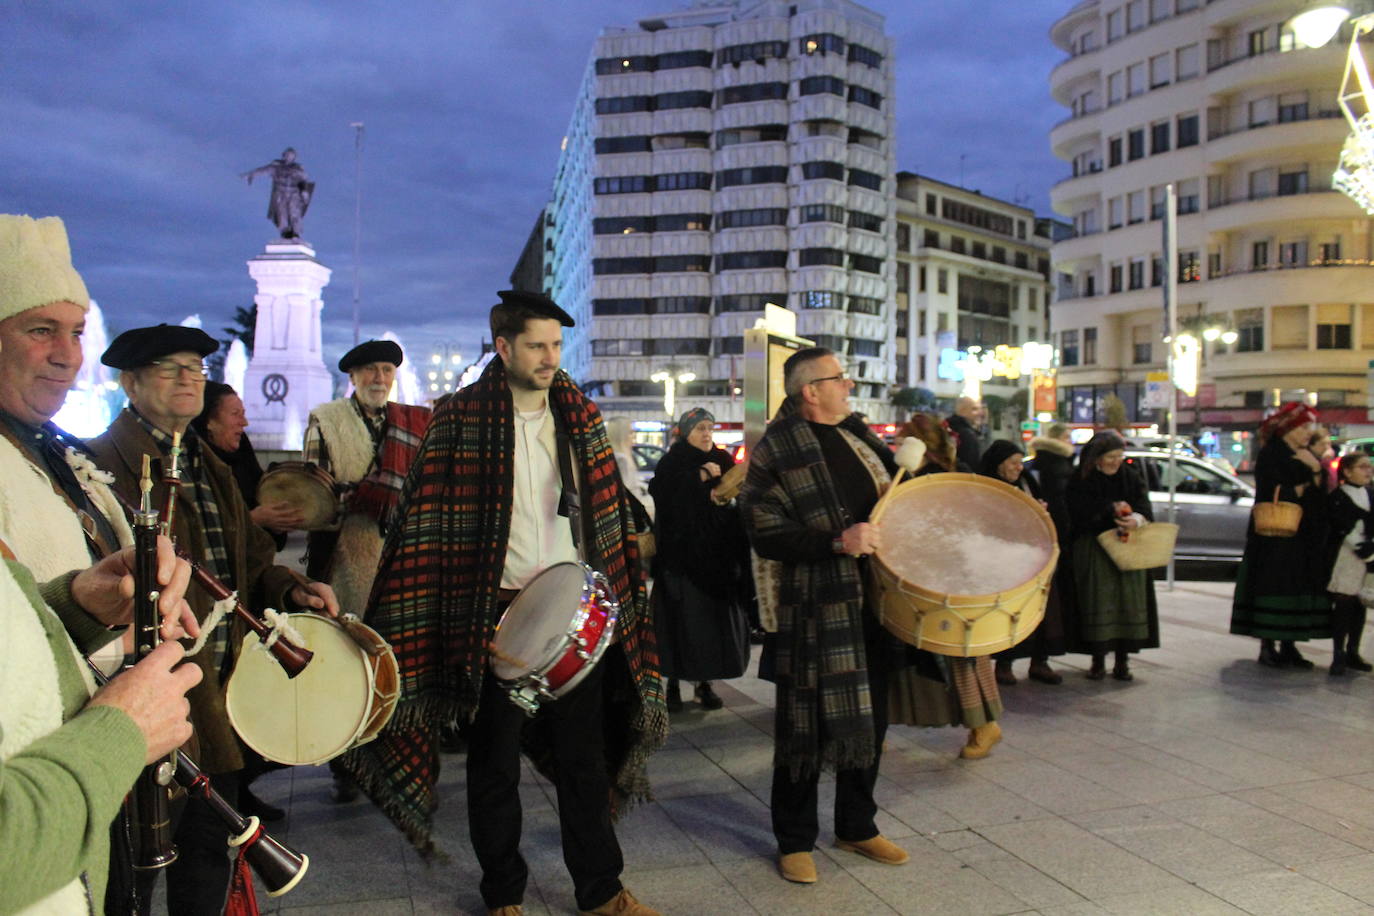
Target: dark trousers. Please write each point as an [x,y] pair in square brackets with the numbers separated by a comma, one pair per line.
[1347,624]
[572,726]
[198,881]
[795,802]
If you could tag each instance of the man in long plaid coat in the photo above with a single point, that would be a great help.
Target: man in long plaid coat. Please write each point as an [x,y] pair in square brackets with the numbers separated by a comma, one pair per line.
[813,479]
[482,513]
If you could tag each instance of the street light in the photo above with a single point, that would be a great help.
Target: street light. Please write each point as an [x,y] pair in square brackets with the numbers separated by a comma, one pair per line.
[1316,26]
[444,361]
[670,380]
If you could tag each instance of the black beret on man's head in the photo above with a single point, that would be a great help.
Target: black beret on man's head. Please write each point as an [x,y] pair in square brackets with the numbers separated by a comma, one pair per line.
[369,352]
[143,346]
[538,303]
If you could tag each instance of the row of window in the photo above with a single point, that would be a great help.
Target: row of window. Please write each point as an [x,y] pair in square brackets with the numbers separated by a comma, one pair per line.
[700,98]
[701,181]
[664,222]
[762,133]
[1136,15]
[744,302]
[981,250]
[757,51]
[724,346]
[736,219]
[736,260]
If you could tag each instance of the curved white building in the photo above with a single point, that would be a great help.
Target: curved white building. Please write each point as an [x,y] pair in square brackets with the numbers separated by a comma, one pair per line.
[720,158]
[1218,98]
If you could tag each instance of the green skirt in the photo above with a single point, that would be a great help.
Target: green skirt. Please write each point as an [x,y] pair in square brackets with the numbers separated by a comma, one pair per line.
[1115,609]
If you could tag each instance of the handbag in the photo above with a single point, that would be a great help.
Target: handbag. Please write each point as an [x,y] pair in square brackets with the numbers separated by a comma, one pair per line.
[1145,548]
[1276,519]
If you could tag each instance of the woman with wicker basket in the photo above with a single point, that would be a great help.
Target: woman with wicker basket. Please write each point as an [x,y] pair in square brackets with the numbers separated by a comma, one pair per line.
[1281,585]
[1116,608]
[1351,552]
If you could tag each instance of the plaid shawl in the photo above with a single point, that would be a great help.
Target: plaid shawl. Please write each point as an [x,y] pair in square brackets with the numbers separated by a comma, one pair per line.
[378,492]
[434,598]
[824,714]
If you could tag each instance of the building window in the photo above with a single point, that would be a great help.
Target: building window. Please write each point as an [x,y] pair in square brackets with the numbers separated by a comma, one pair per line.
[815,85]
[682,305]
[1292,107]
[750,260]
[1189,198]
[870,180]
[1161,70]
[930,204]
[921,282]
[811,257]
[868,221]
[625,184]
[1135,277]
[1259,255]
[1021,260]
[618,347]
[903,237]
[1159,138]
[622,225]
[1135,144]
[1329,252]
[677,346]
[977,216]
[670,100]
[681,263]
[1189,267]
[1068,348]
[682,222]
[1113,152]
[748,302]
[758,52]
[957,244]
[1250,331]
[821,213]
[1257,42]
[858,54]
[623,306]
[866,263]
[1293,254]
[821,43]
[683,181]
[821,299]
[1142,344]
[759,174]
[1333,327]
[1186,64]
[980,251]
[609,66]
[1288,327]
[761,134]
[766,216]
[606,145]
[903,278]
[1089,346]
[1156,271]
[865,97]
[812,170]
[676,60]
[624,104]
[623,265]
[930,239]
[1114,275]
[1293,182]
[941,280]
[753,92]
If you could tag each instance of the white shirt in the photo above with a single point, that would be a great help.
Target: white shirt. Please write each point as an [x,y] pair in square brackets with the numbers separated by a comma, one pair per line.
[539,536]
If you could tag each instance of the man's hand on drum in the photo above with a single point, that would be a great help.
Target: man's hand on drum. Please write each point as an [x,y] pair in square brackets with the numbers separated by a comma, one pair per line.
[278,517]
[315,596]
[861,539]
[106,590]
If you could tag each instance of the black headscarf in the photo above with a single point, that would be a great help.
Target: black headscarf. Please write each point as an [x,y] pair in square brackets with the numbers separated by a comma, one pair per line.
[996,453]
[1099,445]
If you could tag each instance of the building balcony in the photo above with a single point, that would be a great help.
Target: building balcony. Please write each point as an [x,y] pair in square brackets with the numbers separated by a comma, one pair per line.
[822,106]
[1063,28]
[1341,280]
[1084,187]
[1075,74]
[1079,247]
[1326,131]
[1075,130]
[1250,213]
[1293,67]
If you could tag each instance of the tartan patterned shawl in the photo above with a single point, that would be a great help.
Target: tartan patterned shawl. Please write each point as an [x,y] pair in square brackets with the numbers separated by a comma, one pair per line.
[434,598]
[824,715]
[378,492]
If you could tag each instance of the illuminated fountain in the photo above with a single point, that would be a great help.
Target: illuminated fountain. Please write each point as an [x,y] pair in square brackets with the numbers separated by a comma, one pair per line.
[95,398]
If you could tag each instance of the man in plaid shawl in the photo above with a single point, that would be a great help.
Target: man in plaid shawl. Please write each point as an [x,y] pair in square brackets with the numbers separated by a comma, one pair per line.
[482,513]
[813,479]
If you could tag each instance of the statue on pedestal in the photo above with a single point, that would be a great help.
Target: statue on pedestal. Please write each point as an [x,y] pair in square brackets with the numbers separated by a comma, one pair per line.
[291,192]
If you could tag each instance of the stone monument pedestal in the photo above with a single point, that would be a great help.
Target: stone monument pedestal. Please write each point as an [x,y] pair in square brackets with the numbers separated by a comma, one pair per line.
[286,377]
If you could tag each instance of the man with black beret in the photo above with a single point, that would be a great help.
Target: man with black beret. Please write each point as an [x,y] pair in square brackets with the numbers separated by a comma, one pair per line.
[367,442]
[515,475]
[162,372]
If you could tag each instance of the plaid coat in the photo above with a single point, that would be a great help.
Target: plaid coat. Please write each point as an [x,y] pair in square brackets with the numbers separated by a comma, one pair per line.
[435,601]
[824,713]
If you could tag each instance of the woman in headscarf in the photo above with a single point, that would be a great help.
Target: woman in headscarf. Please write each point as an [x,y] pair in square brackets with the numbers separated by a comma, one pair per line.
[975,702]
[1351,552]
[699,566]
[1281,585]
[1003,461]
[1116,609]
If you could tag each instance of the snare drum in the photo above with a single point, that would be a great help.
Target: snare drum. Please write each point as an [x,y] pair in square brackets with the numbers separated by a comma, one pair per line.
[302,485]
[342,699]
[553,634]
[966,563]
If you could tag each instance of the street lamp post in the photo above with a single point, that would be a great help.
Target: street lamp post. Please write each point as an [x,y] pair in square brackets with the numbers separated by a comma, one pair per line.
[445,368]
[670,379]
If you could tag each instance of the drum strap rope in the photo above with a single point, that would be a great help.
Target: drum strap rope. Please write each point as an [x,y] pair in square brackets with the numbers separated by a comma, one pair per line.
[568,504]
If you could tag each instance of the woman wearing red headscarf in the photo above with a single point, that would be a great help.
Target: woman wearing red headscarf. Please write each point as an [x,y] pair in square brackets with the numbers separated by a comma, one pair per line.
[1281,588]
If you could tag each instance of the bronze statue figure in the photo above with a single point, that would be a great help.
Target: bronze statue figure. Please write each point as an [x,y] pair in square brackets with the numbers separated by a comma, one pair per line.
[291,192]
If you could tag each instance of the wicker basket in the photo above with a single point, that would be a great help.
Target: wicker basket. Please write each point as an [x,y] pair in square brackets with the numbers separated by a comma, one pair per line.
[1277,519]
[1145,548]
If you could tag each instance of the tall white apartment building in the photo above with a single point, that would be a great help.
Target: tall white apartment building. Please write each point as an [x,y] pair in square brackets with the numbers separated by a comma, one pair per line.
[972,271]
[1217,97]
[720,158]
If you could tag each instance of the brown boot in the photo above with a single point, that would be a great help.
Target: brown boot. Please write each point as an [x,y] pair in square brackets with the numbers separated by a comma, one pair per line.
[622,904]
[879,849]
[798,867]
[1005,676]
[980,741]
[516,910]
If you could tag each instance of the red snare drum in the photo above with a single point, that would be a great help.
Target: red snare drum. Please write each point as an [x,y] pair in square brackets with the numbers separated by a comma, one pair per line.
[553,634]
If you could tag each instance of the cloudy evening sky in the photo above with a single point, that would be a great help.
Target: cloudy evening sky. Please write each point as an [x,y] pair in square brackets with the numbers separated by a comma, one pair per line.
[132,120]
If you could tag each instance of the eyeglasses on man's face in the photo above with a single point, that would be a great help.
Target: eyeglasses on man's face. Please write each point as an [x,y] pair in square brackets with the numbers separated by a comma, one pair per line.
[842,377]
[170,368]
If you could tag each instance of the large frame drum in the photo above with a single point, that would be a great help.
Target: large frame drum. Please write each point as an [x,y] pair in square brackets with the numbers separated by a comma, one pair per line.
[966,563]
[302,485]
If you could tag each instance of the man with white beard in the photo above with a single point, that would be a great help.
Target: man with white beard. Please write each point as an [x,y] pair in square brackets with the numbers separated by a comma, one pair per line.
[367,443]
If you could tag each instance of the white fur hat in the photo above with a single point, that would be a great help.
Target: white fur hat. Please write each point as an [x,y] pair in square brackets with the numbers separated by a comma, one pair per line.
[36,265]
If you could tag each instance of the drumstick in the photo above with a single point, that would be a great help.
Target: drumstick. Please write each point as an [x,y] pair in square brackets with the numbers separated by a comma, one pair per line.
[508,659]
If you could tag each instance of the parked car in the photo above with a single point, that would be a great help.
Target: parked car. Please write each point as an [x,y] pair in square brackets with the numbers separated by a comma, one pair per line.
[646,460]
[1181,445]
[1212,505]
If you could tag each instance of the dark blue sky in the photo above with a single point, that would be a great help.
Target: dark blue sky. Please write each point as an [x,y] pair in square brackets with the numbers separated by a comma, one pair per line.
[132,120]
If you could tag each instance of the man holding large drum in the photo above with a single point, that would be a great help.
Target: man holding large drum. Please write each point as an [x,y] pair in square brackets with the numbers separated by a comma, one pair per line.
[813,479]
[515,476]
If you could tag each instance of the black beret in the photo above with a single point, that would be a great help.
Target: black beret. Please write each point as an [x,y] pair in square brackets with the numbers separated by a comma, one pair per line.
[538,303]
[371,351]
[141,346]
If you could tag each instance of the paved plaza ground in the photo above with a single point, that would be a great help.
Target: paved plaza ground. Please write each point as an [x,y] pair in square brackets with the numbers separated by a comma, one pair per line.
[1207,785]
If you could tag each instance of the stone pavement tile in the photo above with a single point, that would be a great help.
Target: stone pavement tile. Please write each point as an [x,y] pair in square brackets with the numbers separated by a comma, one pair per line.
[971,799]
[748,764]
[1277,838]
[1193,901]
[1218,764]
[1334,825]
[1048,739]
[680,773]
[692,890]
[1049,785]
[1008,872]
[1351,803]
[1185,850]
[696,726]
[1083,862]
[913,808]
[1130,779]
[391,906]
[1084,908]
[1353,876]
[837,891]
[723,827]
[650,839]
[933,881]
[1281,892]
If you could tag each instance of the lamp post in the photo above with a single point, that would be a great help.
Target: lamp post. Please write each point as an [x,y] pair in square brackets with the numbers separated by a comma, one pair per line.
[670,379]
[445,368]
[1196,332]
